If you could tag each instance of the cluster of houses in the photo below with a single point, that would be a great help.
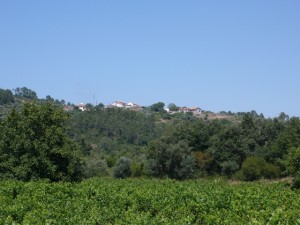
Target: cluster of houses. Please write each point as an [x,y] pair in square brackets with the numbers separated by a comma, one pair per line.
[134,106]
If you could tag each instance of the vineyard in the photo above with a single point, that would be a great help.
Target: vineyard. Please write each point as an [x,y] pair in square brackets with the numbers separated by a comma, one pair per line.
[144,201]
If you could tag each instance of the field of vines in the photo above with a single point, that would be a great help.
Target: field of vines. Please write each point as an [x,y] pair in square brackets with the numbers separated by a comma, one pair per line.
[145,201]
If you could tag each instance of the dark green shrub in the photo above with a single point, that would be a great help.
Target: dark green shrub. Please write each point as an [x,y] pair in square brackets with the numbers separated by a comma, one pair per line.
[293,165]
[122,168]
[271,171]
[137,169]
[229,167]
[111,161]
[94,166]
[252,168]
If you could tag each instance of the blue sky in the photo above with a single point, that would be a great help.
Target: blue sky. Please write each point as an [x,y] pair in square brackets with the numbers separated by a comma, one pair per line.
[218,55]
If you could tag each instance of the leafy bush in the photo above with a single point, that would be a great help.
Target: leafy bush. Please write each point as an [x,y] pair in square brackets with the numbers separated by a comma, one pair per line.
[122,168]
[186,169]
[252,168]
[271,171]
[293,165]
[137,169]
[6,97]
[229,167]
[142,201]
[174,161]
[94,166]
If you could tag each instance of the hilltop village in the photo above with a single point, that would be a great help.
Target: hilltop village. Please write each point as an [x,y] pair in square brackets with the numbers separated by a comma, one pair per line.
[171,109]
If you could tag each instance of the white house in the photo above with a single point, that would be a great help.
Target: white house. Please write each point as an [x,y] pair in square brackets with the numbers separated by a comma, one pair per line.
[194,110]
[167,109]
[119,104]
[132,105]
[81,107]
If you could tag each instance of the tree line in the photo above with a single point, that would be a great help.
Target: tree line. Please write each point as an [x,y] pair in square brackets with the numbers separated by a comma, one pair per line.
[40,140]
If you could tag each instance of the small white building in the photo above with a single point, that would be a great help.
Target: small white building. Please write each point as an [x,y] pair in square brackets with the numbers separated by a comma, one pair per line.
[119,104]
[122,104]
[167,109]
[131,105]
[194,110]
[81,106]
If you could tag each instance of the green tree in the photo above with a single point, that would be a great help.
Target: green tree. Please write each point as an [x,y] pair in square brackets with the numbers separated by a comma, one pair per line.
[100,106]
[89,107]
[157,107]
[6,97]
[173,160]
[173,107]
[49,98]
[95,166]
[33,145]
[283,117]
[293,165]
[203,161]
[122,168]
[229,167]
[25,92]
[252,168]
[288,138]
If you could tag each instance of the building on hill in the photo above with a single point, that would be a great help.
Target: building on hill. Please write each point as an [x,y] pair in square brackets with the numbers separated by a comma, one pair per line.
[118,104]
[194,110]
[131,105]
[81,107]
[122,104]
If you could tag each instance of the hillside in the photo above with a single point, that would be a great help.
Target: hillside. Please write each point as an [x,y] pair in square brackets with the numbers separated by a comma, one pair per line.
[121,142]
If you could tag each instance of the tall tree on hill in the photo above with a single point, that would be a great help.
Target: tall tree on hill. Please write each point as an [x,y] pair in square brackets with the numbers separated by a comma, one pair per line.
[157,107]
[6,97]
[25,92]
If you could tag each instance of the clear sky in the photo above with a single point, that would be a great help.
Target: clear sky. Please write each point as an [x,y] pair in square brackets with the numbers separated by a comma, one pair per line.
[218,55]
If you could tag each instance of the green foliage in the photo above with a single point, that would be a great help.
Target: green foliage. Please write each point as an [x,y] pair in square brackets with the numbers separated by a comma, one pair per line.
[122,168]
[6,97]
[94,166]
[271,171]
[111,161]
[287,139]
[157,107]
[172,107]
[33,145]
[100,106]
[25,93]
[89,107]
[172,160]
[140,201]
[137,168]
[293,165]
[203,162]
[214,146]
[229,167]
[119,125]
[254,168]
